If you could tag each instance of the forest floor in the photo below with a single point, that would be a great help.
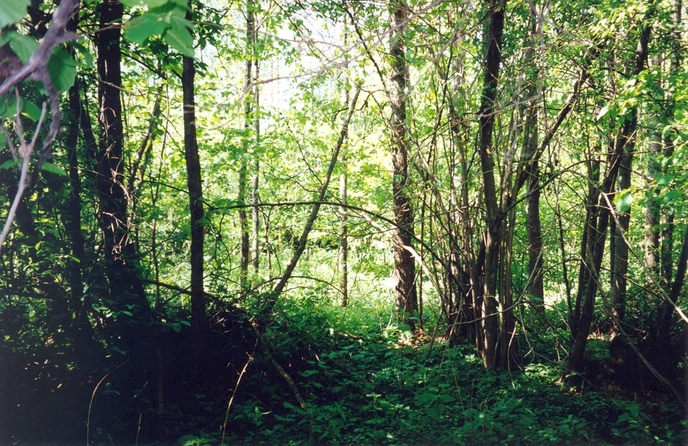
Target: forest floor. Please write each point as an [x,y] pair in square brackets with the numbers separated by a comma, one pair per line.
[340,377]
[383,386]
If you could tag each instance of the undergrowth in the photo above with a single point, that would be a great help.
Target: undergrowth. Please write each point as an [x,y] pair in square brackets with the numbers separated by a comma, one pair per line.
[364,382]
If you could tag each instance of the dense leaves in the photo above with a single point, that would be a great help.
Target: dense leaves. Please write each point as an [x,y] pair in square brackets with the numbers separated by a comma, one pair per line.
[503,261]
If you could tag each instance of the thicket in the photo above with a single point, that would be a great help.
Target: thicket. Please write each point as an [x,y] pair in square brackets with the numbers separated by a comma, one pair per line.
[502,262]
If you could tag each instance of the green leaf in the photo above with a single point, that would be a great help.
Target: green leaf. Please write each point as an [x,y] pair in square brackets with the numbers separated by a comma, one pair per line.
[141,28]
[179,37]
[62,69]
[9,163]
[672,196]
[85,53]
[603,111]
[623,201]
[663,180]
[148,3]
[31,110]
[49,167]
[23,46]
[12,11]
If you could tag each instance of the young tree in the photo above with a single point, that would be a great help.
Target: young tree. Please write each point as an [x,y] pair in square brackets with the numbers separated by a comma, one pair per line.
[195,187]
[599,218]
[404,264]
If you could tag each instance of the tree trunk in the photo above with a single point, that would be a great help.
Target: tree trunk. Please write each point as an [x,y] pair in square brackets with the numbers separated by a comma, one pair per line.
[195,187]
[662,241]
[73,208]
[404,265]
[72,213]
[121,262]
[343,242]
[343,259]
[249,249]
[533,224]
[492,236]
[619,248]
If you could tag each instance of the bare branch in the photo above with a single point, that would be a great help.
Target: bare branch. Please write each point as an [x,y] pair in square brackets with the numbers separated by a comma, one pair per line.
[37,69]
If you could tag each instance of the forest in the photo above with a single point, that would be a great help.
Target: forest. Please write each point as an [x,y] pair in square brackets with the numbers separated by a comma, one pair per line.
[301,222]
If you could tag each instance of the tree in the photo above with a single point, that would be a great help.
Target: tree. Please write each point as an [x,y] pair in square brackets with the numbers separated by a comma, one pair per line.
[195,187]
[599,218]
[249,239]
[125,288]
[404,266]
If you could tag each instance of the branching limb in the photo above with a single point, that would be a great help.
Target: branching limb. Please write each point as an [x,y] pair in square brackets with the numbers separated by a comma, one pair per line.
[37,69]
[25,151]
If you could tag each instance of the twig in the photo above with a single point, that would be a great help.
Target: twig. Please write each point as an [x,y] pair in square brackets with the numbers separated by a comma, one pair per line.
[93,396]
[37,68]
[236,386]
[25,151]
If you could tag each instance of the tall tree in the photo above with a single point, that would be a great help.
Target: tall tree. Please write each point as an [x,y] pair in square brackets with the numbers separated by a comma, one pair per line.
[493,217]
[195,187]
[249,247]
[404,265]
[661,228]
[124,276]
[599,217]
[343,259]
[618,244]
[530,144]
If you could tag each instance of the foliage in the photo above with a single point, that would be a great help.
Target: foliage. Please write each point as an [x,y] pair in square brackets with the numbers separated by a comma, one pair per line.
[376,388]
[134,369]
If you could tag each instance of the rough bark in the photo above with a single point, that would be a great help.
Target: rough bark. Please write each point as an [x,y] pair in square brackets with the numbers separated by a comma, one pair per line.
[492,235]
[404,265]
[121,266]
[195,188]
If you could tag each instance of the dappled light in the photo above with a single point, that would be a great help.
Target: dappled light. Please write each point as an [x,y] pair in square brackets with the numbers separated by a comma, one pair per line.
[394,222]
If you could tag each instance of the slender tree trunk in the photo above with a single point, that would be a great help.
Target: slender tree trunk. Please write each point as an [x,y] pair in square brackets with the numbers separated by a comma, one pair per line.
[663,240]
[619,248]
[533,223]
[492,236]
[73,209]
[249,238]
[404,265]
[308,227]
[343,259]
[121,262]
[195,187]
[594,237]
[343,241]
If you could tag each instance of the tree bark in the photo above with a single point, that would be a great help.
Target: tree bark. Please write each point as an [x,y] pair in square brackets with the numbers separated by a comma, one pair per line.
[533,224]
[121,262]
[619,248]
[343,243]
[195,187]
[492,236]
[404,265]
[249,247]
